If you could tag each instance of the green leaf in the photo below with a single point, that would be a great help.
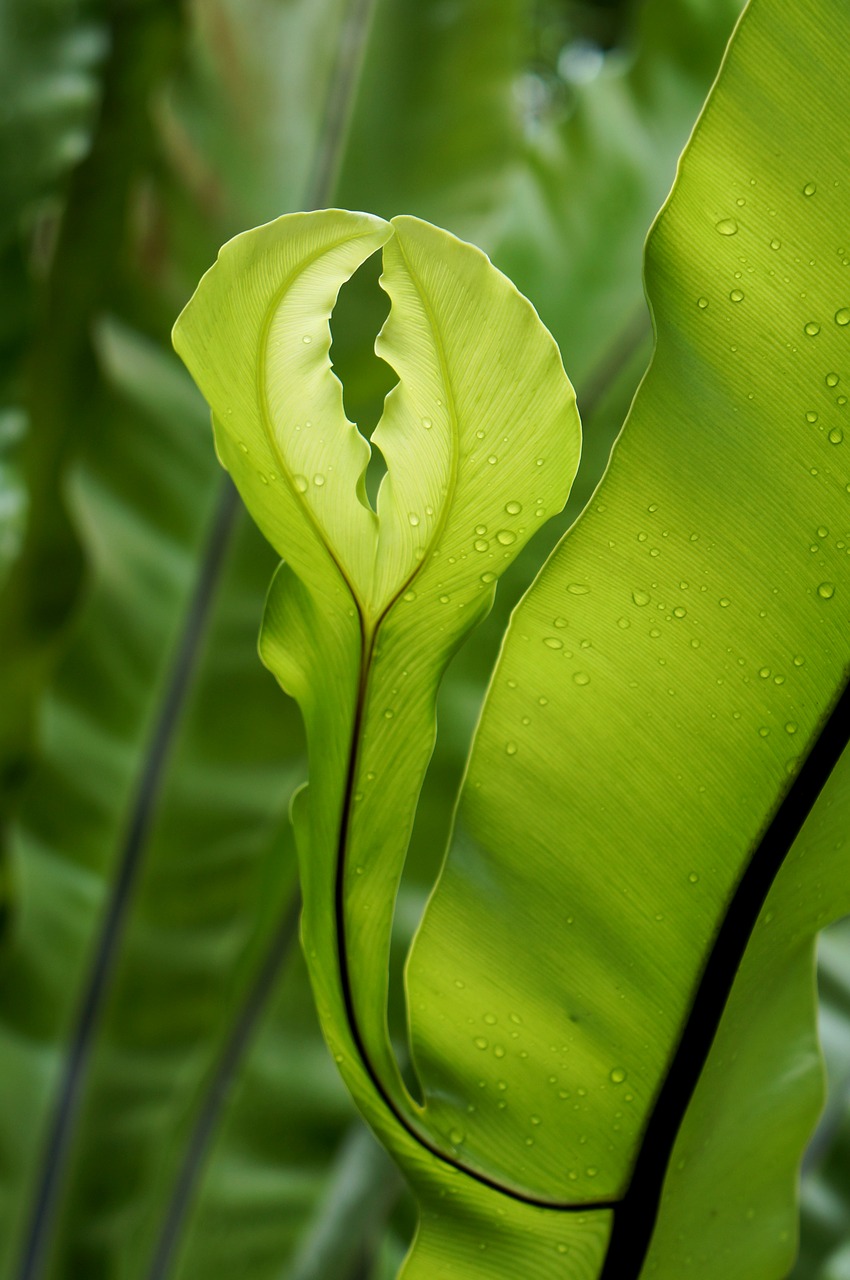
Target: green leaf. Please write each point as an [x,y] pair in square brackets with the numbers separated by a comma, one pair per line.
[481,443]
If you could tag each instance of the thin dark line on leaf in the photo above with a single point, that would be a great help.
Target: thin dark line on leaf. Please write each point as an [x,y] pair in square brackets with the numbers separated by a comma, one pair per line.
[129,860]
[635,1217]
[218,1087]
[368,643]
[389,1102]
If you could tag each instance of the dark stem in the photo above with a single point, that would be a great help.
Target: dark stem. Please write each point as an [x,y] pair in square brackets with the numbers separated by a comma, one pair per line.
[55,1155]
[143,42]
[217,1090]
[368,644]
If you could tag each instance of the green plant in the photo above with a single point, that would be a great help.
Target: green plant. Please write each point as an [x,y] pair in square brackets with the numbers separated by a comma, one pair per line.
[667,706]
[168,1107]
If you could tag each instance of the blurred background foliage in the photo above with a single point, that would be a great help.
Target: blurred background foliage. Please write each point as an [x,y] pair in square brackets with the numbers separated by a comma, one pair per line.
[168,1107]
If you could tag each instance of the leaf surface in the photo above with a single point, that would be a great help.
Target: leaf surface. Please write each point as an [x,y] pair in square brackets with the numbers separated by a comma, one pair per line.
[481,441]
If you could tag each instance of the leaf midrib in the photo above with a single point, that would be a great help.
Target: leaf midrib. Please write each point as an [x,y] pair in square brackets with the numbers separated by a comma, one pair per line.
[369,636]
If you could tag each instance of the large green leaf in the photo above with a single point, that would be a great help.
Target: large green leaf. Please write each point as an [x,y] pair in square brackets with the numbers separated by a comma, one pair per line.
[604,811]
[480,439]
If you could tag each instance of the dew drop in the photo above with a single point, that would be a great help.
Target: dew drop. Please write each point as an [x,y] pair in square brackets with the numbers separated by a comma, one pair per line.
[726,227]
[243,446]
[318,479]
[506,537]
[842,317]
[832,379]
[776,244]
[693,877]
[581,678]
[826,590]
[560,623]
[488,577]
[836,435]
[591,1171]
[812,328]
[791,727]
[306,339]
[427,424]
[763,731]
[510,748]
[513,508]
[618,1075]
[736,295]
[300,483]
[552,642]
[456,1137]
[413,518]
[640,598]
[578,588]
[679,612]
[492,459]
[723,602]
[409,595]
[444,599]
[702,303]
[809,189]
[481,1042]
[811,417]
[481,544]
[799,660]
